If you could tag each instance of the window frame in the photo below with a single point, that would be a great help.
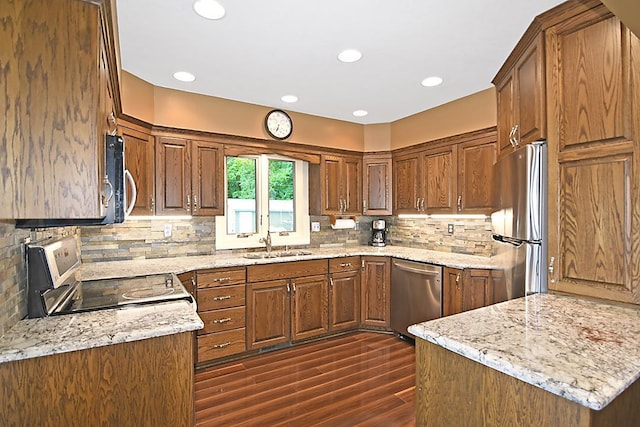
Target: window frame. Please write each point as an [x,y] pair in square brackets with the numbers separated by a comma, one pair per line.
[302,235]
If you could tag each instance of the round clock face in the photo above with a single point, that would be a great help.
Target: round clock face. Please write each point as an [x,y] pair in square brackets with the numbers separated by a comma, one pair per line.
[279,124]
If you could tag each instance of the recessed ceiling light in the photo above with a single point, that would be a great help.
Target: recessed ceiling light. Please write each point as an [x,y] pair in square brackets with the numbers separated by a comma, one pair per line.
[431,81]
[360,113]
[209,9]
[184,76]
[349,55]
[289,98]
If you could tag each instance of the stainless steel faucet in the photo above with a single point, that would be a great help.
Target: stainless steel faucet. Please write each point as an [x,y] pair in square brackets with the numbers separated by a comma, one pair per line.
[267,242]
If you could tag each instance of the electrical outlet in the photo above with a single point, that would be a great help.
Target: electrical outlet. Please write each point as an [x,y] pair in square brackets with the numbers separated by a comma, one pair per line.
[315,226]
[168,228]
[450,228]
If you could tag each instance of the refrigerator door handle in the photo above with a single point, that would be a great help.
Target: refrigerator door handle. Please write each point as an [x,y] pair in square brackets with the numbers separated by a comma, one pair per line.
[508,240]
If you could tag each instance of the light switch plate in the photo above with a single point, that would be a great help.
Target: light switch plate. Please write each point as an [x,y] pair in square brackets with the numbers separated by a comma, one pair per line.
[167,230]
[315,226]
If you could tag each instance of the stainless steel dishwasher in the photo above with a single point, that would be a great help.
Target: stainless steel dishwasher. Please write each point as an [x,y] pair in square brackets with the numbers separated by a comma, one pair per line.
[416,294]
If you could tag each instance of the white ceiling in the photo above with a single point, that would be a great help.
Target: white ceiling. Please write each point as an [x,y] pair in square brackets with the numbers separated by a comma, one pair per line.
[262,50]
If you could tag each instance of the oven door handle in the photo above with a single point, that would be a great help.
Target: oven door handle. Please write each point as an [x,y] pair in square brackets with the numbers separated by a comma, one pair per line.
[65,301]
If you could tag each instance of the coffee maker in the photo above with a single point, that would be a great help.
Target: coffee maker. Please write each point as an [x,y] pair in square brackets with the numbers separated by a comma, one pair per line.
[379,233]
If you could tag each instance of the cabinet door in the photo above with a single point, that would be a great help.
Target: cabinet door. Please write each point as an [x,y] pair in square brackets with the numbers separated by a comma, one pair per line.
[594,199]
[475,164]
[405,184]
[139,161]
[173,177]
[530,101]
[375,307]
[330,173]
[351,184]
[439,181]
[344,300]
[310,297]
[476,289]
[377,183]
[506,118]
[452,292]
[207,180]
[268,314]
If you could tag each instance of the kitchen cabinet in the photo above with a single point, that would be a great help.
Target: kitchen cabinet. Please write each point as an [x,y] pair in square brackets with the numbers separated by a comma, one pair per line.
[60,87]
[453,176]
[593,64]
[139,149]
[288,303]
[466,289]
[344,293]
[375,294]
[189,177]
[520,91]
[377,184]
[141,383]
[340,186]
[221,306]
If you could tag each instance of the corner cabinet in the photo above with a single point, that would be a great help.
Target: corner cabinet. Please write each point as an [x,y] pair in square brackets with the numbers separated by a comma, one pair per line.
[189,177]
[339,190]
[593,75]
[520,91]
[377,184]
[375,296]
[61,95]
[344,293]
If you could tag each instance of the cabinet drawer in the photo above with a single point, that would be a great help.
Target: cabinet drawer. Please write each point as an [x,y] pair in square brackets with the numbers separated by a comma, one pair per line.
[286,270]
[348,263]
[220,344]
[222,320]
[220,297]
[220,277]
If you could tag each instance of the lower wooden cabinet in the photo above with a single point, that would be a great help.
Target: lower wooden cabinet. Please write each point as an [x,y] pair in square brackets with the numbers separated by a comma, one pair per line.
[309,309]
[375,307]
[269,313]
[220,294]
[344,293]
[466,289]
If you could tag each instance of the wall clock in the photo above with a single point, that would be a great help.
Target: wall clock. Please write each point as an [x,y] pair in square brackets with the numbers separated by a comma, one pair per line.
[278,124]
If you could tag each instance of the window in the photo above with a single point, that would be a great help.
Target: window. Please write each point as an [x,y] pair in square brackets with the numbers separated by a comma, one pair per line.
[264,192]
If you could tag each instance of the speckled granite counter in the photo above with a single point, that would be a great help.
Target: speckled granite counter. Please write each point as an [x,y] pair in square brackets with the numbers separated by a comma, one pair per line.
[59,334]
[584,351]
[100,270]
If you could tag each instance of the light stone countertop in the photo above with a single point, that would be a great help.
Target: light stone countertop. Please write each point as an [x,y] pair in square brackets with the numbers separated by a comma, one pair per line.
[585,351]
[60,334]
[111,269]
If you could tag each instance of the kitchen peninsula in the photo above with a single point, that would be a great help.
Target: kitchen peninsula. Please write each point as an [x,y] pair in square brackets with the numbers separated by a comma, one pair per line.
[543,360]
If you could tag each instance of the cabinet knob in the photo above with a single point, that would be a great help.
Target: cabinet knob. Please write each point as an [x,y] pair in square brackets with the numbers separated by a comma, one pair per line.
[552,277]
[364,206]
[195,203]
[459,203]
[458,281]
[188,203]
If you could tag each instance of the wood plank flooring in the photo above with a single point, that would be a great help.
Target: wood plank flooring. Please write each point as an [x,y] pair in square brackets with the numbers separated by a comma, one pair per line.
[360,379]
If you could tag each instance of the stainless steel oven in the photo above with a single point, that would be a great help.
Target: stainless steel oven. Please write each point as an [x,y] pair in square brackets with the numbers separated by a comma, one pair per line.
[53,287]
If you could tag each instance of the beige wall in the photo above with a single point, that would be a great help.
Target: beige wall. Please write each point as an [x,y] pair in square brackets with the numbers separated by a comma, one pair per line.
[628,11]
[377,137]
[473,112]
[137,97]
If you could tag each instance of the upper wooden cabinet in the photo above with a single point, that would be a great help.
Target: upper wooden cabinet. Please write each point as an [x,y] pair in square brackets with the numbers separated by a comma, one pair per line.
[452,177]
[376,184]
[340,186]
[520,89]
[139,161]
[59,84]
[189,177]
[593,75]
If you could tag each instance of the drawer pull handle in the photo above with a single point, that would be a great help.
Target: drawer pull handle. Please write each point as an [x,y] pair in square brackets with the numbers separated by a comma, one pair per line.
[218,346]
[225,320]
[222,279]
[222,298]
[345,264]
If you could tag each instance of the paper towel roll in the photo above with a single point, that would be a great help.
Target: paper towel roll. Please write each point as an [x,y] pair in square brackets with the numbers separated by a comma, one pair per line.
[343,223]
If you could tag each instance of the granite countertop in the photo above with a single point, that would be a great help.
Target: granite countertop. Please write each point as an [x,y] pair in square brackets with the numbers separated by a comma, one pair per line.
[59,334]
[111,269]
[585,351]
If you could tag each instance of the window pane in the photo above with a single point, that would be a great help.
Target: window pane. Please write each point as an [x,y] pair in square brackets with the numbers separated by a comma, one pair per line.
[281,213]
[241,195]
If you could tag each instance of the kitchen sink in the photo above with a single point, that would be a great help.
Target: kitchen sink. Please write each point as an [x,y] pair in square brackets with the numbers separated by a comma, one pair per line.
[281,254]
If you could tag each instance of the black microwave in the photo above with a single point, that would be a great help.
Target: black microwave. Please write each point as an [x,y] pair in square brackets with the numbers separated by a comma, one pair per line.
[117,208]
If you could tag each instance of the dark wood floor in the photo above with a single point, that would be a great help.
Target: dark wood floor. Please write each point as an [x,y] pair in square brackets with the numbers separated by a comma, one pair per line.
[361,379]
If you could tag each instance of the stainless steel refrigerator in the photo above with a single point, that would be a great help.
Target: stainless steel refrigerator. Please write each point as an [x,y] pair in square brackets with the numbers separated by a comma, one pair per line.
[519,221]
